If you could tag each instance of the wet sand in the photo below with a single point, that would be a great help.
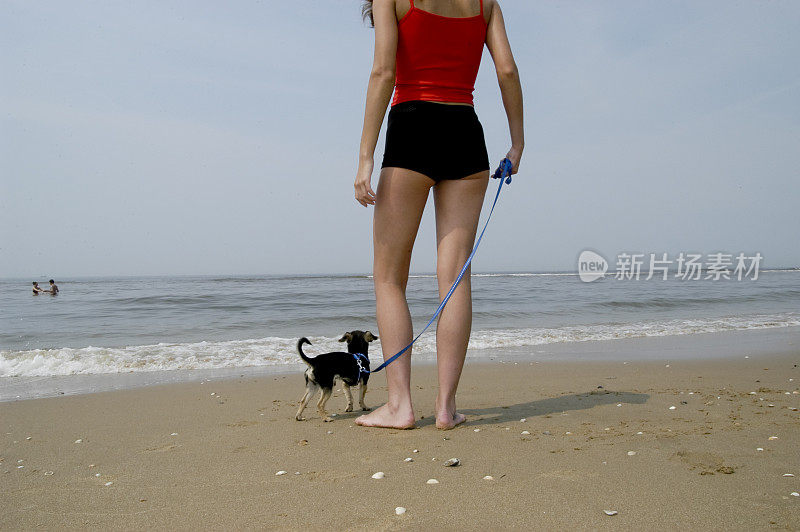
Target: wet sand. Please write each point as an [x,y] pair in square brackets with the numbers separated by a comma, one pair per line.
[205,454]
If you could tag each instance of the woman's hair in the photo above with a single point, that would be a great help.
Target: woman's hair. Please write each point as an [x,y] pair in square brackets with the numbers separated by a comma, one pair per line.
[366,12]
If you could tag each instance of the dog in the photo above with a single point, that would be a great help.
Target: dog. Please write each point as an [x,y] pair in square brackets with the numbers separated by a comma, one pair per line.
[324,369]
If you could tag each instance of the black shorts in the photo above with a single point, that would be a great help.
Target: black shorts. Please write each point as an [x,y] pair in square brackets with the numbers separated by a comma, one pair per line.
[438,140]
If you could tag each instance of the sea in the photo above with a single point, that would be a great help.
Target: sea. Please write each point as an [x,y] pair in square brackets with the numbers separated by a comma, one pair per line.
[167,329]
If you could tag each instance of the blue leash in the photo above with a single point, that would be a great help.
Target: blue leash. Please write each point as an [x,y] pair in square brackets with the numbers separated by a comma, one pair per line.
[503,173]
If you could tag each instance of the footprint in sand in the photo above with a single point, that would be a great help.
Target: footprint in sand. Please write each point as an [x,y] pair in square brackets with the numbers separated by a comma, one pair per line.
[161,449]
[707,463]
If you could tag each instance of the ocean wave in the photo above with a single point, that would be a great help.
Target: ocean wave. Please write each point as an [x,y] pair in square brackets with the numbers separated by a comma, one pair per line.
[276,351]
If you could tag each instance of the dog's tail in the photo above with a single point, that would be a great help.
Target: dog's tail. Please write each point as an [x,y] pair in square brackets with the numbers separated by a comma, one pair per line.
[300,343]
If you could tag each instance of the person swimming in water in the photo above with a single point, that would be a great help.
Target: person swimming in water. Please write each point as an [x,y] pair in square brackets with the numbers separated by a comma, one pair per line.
[36,289]
[53,288]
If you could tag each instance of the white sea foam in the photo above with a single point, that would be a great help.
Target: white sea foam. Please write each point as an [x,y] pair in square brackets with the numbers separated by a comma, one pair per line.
[275,351]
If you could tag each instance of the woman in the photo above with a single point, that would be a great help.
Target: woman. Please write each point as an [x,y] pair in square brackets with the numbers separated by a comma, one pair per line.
[429,52]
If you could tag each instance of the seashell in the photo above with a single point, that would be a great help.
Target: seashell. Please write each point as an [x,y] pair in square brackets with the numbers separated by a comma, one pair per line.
[408,460]
[415,451]
[488,477]
[20,466]
[48,473]
[432,481]
[610,512]
[640,432]
[523,420]
[795,494]
[453,462]
[619,404]
[97,474]
[330,432]
[20,461]
[279,473]
[297,472]
[28,438]
[399,510]
[476,430]
[666,366]
[78,441]
[788,475]
[672,407]
[759,448]
[108,483]
[379,475]
[302,442]
[773,437]
[752,393]
[212,393]
[568,432]
[631,453]
[524,432]
[770,404]
[174,434]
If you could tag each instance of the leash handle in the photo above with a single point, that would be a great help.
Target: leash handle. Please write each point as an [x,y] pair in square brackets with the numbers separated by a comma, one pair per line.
[505,168]
[503,173]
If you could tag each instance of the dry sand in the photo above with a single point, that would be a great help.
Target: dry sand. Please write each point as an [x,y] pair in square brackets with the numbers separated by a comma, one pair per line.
[205,455]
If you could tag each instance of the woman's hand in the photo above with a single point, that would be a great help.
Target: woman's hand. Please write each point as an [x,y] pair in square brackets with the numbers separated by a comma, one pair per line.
[514,155]
[363,184]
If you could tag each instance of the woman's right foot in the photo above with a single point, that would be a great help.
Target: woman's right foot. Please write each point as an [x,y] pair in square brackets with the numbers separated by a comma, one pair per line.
[389,418]
[447,422]
[447,417]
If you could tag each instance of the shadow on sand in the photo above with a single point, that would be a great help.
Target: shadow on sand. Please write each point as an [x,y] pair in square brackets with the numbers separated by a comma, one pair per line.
[542,407]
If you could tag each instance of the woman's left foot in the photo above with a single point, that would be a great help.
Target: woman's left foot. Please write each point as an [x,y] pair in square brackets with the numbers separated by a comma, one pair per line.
[389,418]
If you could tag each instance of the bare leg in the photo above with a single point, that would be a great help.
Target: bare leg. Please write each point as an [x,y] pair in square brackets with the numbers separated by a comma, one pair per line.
[458,208]
[400,200]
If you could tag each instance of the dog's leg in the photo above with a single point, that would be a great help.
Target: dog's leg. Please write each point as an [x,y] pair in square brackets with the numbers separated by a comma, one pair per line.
[310,389]
[323,399]
[362,391]
[349,394]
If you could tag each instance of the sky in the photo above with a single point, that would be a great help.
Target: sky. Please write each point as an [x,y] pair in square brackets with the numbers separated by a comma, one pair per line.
[183,138]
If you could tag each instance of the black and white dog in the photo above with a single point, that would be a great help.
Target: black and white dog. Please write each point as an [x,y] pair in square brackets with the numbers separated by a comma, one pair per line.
[323,370]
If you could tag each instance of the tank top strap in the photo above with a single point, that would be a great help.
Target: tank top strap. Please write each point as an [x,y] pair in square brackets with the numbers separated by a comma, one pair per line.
[412,3]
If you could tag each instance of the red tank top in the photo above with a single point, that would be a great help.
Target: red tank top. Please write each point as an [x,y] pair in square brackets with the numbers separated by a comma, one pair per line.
[438,57]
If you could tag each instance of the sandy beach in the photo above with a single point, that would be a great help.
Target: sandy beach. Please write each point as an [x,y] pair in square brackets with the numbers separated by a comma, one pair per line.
[674,444]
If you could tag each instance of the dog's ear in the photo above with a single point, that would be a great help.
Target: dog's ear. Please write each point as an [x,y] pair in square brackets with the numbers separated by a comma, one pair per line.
[369,337]
[346,338]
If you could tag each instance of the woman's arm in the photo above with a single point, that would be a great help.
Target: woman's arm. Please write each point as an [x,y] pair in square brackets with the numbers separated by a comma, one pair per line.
[379,91]
[508,79]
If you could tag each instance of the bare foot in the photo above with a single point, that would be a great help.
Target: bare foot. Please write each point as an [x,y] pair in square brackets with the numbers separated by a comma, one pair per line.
[388,417]
[448,422]
[447,418]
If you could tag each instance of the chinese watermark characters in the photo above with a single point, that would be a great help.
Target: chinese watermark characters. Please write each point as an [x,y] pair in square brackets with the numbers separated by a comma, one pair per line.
[685,266]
